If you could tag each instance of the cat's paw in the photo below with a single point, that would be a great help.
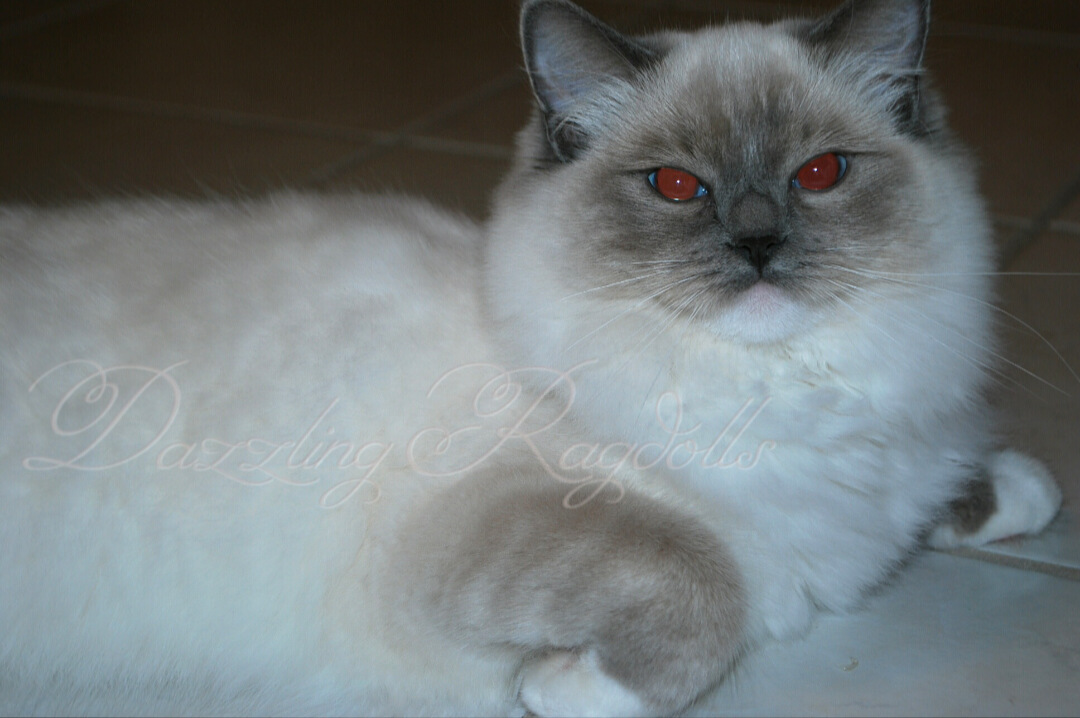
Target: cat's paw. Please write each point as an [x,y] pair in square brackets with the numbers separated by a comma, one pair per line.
[1023,498]
[573,684]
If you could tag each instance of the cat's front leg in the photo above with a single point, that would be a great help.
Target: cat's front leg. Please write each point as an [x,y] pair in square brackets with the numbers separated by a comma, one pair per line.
[624,608]
[1012,495]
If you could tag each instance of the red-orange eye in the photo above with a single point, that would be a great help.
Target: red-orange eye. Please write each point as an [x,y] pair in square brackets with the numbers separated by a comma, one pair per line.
[822,172]
[676,185]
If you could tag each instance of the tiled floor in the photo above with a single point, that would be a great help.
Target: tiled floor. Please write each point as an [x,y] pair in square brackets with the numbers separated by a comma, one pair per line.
[199,97]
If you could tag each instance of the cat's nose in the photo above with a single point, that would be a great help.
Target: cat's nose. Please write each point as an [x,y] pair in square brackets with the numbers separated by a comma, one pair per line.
[758,249]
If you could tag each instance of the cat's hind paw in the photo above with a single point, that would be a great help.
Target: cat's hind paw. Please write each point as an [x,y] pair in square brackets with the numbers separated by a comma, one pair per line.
[1018,496]
[567,683]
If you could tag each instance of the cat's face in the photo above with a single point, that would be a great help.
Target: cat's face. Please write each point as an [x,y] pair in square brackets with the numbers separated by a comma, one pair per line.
[746,177]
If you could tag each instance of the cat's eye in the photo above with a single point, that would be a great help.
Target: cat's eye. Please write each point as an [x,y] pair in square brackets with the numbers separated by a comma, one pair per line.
[822,172]
[676,185]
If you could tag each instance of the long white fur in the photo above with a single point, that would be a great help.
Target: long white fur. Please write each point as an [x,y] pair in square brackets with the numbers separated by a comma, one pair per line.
[150,589]
[223,597]
[867,437]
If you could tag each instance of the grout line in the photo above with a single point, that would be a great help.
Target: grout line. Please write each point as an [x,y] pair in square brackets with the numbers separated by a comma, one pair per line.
[406,135]
[1024,236]
[1024,564]
[320,176]
[246,120]
[1061,226]
[460,147]
[172,110]
[54,16]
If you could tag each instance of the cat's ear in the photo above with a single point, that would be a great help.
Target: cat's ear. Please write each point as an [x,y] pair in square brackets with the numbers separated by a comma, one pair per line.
[885,40]
[574,61]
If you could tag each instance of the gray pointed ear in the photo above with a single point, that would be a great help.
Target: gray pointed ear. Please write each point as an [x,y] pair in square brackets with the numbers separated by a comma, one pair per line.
[575,63]
[885,39]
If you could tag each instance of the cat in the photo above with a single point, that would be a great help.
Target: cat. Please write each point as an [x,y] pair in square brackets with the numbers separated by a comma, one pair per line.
[718,361]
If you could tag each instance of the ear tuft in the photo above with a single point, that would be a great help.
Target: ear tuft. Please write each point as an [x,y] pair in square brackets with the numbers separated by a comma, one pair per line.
[571,58]
[886,39]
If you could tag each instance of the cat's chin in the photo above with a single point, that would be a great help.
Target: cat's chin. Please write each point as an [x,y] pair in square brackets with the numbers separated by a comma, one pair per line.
[763,314]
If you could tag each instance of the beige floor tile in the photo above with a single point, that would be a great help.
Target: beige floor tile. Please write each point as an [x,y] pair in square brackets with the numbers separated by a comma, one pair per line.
[64,153]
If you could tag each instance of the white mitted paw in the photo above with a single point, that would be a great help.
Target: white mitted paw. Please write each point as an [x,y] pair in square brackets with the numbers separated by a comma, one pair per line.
[1026,498]
[569,684]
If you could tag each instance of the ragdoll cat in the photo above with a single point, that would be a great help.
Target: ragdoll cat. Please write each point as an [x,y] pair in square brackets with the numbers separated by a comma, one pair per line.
[716,362]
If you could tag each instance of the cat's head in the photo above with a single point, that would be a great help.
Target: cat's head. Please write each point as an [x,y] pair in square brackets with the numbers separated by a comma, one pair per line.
[752,180]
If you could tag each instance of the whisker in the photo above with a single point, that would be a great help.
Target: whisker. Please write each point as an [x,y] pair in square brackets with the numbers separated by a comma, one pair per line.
[991,305]
[886,275]
[675,344]
[1001,376]
[626,311]
[858,313]
[673,317]
[621,282]
[879,275]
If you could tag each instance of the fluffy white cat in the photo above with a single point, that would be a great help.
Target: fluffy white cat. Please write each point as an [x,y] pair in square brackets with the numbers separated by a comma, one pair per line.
[717,362]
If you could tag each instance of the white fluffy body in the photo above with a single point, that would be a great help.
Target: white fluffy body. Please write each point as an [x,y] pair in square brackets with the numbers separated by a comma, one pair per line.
[216,588]
[871,415]
[858,442]
[147,587]
[180,533]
